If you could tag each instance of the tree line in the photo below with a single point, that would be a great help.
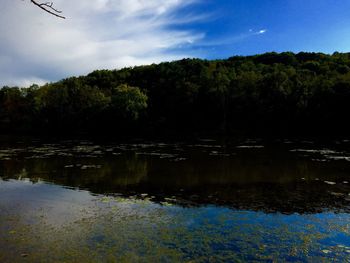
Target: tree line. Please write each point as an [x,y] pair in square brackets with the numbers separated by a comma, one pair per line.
[271,93]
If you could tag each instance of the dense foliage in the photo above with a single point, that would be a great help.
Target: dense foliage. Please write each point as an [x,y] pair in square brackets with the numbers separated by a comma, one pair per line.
[286,93]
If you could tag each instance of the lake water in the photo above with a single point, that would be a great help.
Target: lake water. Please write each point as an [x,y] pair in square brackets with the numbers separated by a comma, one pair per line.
[200,201]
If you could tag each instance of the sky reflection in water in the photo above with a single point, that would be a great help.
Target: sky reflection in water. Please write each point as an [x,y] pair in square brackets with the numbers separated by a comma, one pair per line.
[198,202]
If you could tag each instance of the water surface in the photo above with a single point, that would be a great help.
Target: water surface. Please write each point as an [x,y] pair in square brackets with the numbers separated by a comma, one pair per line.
[206,200]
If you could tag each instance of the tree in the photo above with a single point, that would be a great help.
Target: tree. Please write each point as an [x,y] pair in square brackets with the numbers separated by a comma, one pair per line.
[48,7]
[69,104]
[129,102]
[305,93]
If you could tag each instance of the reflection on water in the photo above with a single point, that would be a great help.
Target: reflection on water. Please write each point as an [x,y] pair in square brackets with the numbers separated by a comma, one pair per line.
[201,201]
[280,177]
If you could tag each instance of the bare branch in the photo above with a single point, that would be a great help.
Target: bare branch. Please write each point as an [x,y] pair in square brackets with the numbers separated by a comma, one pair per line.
[48,7]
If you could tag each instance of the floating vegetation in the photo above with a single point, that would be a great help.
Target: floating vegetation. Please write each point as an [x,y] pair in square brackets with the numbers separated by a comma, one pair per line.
[158,154]
[114,228]
[250,147]
[326,154]
[91,166]
[338,158]
[217,153]
[179,159]
[161,202]
[337,194]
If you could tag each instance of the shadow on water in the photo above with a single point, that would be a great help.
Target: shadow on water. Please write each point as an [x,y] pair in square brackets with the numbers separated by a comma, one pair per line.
[284,177]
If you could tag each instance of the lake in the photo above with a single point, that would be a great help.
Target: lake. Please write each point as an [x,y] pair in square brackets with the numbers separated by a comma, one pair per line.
[200,201]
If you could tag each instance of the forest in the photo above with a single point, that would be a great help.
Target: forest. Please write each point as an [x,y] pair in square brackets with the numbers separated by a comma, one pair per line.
[268,94]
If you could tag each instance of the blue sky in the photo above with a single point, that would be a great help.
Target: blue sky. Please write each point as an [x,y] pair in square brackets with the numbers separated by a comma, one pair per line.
[110,34]
[289,25]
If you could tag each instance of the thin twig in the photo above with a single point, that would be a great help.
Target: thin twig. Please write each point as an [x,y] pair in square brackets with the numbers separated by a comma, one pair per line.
[48,7]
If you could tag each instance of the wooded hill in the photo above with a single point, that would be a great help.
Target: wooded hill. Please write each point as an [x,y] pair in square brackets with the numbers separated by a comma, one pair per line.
[272,93]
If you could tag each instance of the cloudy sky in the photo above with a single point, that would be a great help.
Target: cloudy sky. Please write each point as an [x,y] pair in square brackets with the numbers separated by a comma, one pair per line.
[106,34]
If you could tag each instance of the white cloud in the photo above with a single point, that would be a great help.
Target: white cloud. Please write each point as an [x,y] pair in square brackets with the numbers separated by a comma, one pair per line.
[37,47]
[231,39]
[262,31]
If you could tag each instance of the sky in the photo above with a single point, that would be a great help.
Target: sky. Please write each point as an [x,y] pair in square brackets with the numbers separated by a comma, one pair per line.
[36,47]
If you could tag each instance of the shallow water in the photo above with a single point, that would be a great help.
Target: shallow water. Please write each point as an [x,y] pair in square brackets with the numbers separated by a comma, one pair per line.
[207,200]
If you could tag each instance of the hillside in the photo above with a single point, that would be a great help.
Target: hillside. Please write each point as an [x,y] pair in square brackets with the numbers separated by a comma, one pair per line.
[279,94]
